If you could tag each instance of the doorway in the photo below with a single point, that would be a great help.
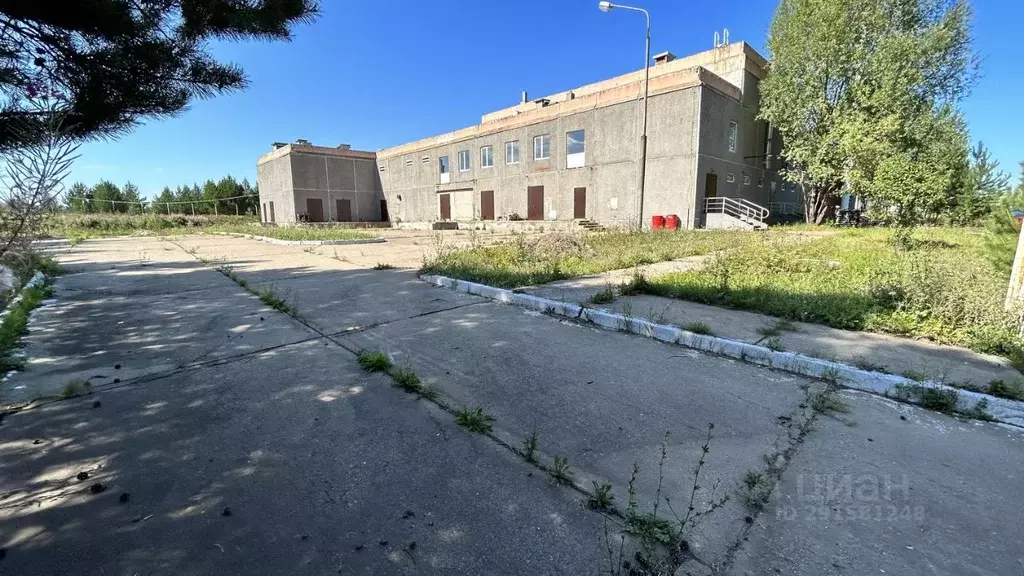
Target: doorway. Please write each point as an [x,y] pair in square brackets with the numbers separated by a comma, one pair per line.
[711,185]
[314,210]
[446,206]
[487,204]
[579,203]
[272,212]
[535,203]
[384,216]
[344,207]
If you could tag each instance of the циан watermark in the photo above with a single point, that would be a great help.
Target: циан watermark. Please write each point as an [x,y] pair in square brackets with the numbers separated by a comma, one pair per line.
[846,497]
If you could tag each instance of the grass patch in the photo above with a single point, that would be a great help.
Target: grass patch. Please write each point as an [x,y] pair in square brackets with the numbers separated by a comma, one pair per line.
[76,227]
[529,450]
[526,261]
[915,375]
[774,343]
[269,296]
[606,296]
[829,400]
[373,361]
[474,419]
[940,400]
[383,266]
[1013,390]
[76,388]
[560,471]
[602,497]
[755,490]
[942,289]
[406,380]
[15,323]
[698,328]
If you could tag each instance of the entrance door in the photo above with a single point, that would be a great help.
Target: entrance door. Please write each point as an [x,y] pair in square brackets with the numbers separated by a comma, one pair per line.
[446,206]
[344,207]
[535,203]
[315,209]
[711,186]
[272,213]
[579,203]
[487,204]
[384,217]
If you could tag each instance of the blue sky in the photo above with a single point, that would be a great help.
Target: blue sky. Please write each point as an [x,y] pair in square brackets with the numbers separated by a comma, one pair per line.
[377,73]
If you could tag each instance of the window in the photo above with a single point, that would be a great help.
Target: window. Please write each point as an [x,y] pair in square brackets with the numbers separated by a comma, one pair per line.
[746,180]
[512,152]
[442,163]
[575,149]
[463,160]
[542,147]
[425,159]
[730,177]
[760,182]
[486,156]
[733,130]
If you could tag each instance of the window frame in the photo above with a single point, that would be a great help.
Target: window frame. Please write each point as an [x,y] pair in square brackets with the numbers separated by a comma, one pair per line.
[576,159]
[515,149]
[733,135]
[487,160]
[542,138]
[444,165]
[469,160]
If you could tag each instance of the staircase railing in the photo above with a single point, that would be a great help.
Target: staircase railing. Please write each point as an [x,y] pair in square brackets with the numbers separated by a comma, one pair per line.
[786,208]
[737,208]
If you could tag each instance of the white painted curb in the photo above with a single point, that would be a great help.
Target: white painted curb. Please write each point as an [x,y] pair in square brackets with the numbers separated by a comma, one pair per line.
[890,385]
[269,240]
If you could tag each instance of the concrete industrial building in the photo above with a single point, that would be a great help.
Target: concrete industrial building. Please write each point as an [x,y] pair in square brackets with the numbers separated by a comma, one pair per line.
[568,156]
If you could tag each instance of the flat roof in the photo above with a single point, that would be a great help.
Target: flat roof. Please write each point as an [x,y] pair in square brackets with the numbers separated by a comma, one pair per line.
[318,150]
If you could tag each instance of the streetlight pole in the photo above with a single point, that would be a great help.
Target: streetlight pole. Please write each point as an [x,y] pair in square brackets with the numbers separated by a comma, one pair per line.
[642,168]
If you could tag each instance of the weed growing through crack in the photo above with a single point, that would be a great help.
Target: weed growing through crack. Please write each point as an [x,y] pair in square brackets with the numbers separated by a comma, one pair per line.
[269,296]
[474,419]
[530,447]
[626,320]
[698,328]
[829,400]
[602,497]
[606,296]
[662,544]
[76,388]
[980,411]
[777,328]
[830,375]
[638,284]
[429,392]
[774,343]
[560,471]
[383,266]
[406,380]
[373,361]
[756,490]
[940,400]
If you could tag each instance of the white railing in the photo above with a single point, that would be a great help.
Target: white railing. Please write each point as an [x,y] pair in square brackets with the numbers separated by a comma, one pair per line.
[737,208]
[786,208]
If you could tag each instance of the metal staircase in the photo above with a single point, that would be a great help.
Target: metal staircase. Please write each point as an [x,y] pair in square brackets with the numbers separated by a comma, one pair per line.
[723,212]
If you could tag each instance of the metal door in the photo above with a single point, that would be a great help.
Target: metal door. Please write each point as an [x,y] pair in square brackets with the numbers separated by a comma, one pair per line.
[446,206]
[344,206]
[487,204]
[579,203]
[535,203]
[315,209]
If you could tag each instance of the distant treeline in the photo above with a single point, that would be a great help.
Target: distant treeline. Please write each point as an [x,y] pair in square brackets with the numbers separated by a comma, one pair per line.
[226,196]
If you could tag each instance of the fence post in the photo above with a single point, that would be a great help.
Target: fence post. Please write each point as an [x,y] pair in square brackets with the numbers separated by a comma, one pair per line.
[215,213]
[193,205]
[236,209]
[168,208]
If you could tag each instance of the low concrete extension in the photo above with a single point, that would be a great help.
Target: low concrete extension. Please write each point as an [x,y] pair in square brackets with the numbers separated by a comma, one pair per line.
[328,469]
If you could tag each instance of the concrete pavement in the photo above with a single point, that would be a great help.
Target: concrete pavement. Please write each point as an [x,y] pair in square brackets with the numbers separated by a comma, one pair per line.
[320,462]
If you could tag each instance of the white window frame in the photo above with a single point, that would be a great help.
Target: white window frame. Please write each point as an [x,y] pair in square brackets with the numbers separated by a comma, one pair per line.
[734,135]
[512,149]
[487,156]
[576,159]
[464,155]
[444,166]
[730,177]
[541,140]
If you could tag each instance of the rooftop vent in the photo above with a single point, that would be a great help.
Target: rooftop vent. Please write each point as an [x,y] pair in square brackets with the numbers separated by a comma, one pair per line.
[302,142]
[541,102]
[663,58]
[525,99]
[344,146]
[279,145]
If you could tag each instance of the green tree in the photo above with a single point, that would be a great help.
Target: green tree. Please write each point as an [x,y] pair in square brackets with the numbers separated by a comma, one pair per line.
[984,184]
[78,197]
[130,193]
[859,91]
[116,62]
[106,197]
[162,201]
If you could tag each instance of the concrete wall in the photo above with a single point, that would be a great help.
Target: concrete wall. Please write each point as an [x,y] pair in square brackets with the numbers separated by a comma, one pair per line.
[274,178]
[412,184]
[290,175]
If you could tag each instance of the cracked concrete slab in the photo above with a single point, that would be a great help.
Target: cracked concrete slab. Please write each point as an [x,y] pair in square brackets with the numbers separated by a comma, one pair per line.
[900,491]
[605,400]
[286,462]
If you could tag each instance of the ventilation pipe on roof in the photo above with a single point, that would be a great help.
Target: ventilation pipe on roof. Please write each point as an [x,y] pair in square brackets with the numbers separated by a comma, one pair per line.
[524,99]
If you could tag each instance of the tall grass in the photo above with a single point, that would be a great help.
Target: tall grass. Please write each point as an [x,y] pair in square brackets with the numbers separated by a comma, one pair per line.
[943,289]
[526,261]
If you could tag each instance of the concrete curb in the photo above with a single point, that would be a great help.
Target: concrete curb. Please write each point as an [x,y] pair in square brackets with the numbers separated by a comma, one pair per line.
[889,385]
[269,240]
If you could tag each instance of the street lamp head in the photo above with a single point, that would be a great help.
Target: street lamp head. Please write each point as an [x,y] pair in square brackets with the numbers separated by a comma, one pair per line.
[605,6]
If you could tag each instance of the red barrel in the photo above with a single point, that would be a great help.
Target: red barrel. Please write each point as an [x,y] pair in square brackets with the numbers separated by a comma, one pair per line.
[672,222]
[657,222]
